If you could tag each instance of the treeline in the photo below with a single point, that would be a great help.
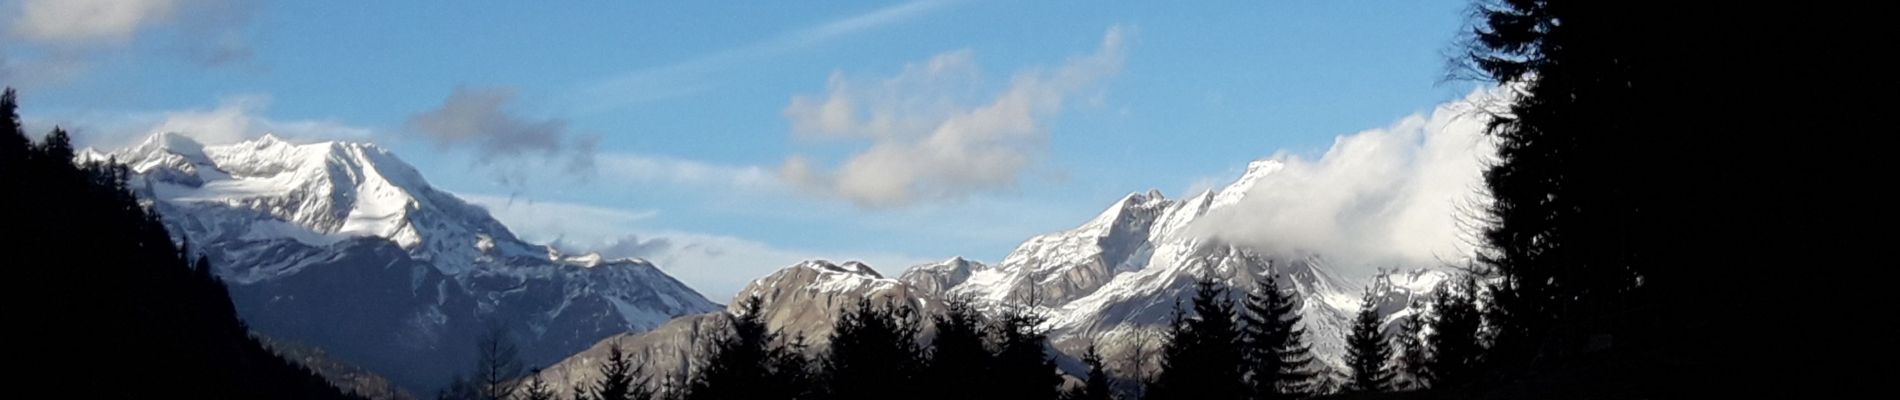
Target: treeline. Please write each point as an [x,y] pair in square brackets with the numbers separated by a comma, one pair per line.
[1257,349]
[876,351]
[103,304]
[1222,345]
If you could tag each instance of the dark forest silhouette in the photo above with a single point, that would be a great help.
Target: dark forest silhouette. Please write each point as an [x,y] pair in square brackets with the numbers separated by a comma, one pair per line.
[105,304]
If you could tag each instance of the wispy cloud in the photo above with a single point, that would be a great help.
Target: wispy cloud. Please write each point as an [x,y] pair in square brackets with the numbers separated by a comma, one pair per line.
[648,169]
[926,140]
[560,221]
[854,24]
[630,246]
[482,119]
[694,75]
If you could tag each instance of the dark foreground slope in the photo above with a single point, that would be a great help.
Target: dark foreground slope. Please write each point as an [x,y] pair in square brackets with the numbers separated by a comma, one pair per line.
[100,302]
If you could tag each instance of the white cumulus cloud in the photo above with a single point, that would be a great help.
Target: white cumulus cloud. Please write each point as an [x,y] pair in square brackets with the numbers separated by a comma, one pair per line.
[70,21]
[69,34]
[925,140]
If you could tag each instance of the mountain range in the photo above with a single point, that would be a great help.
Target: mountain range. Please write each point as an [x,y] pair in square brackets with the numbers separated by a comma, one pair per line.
[344,247]
[1112,282]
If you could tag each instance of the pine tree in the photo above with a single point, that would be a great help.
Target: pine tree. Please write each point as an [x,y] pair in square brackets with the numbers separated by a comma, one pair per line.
[1367,351]
[874,353]
[792,374]
[13,141]
[1175,365]
[1202,359]
[620,378]
[536,388]
[1279,362]
[58,146]
[1414,354]
[1621,227]
[1021,368]
[1456,338]
[1578,171]
[960,361]
[1097,385]
[738,364]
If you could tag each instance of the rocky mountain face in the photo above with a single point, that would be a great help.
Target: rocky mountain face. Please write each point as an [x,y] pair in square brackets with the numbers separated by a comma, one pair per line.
[1112,282]
[344,247]
[800,302]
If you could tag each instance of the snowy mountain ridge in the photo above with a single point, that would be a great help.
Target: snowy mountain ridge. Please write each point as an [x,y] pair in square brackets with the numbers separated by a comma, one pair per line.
[1112,281]
[344,246]
[1121,273]
[319,194]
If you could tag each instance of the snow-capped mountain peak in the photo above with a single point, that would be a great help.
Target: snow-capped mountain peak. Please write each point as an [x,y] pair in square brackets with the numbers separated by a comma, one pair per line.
[1122,272]
[938,278]
[849,276]
[345,246]
[316,193]
[849,267]
[1256,170]
[1110,282]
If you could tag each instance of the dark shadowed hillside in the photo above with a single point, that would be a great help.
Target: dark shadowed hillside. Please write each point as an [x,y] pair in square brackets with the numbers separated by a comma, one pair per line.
[105,305]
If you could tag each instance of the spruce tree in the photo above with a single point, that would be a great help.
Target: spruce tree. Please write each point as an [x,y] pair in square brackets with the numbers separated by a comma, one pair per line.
[1367,351]
[1021,368]
[1202,359]
[13,141]
[738,364]
[1414,354]
[1279,362]
[536,389]
[792,374]
[1609,170]
[1456,338]
[1097,385]
[874,353]
[960,360]
[1622,226]
[620,377]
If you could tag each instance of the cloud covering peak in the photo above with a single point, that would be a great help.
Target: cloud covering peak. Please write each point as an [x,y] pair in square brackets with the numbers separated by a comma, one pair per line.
[1378,198]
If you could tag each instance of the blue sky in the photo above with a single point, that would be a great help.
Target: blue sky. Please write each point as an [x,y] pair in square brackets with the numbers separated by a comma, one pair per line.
[695,134]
